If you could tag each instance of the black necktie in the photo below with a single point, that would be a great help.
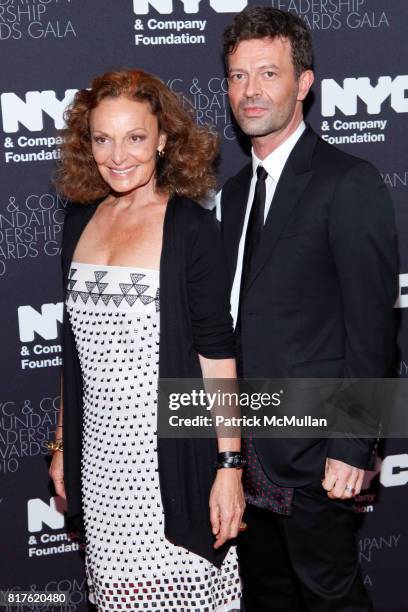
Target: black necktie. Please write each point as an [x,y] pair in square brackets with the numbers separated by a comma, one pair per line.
[252,237]
[255,225]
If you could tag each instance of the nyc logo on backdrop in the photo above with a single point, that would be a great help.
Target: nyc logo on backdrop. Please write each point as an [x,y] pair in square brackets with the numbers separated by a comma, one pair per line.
[166,7]
[154,31]
[30,111]
[35,327]
[373,98]
[391,471]
[54,540]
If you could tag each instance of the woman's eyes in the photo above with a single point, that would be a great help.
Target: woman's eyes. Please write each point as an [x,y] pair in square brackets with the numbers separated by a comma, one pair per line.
[137,138]
[134,138]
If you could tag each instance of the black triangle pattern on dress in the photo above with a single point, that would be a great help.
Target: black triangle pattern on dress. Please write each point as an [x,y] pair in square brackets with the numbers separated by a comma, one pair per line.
[125,287]
[117,299]
[136,277]
[90,285]
[146,299]
[141,288]
[100,274]
[102,286]
[131,299]
[96,289]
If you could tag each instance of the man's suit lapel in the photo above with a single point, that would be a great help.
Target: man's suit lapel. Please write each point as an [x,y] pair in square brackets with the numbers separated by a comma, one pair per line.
[293,181]
[233,215]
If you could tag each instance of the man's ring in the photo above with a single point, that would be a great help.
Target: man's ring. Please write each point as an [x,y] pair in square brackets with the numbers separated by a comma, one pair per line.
[242,526]
[349,489]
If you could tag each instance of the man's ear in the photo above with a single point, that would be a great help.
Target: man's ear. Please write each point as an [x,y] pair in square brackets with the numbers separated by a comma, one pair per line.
[305,82]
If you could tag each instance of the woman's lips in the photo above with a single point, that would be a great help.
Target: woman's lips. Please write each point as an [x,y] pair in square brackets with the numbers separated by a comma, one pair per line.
[121,172]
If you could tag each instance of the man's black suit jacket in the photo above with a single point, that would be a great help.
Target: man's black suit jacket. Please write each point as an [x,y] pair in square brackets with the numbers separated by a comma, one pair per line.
[319,301]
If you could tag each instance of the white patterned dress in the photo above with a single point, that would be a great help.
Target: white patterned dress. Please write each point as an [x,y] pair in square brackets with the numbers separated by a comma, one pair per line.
[114,314]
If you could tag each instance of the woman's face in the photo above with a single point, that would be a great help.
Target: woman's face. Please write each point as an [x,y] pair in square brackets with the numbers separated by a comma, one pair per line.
[125,140]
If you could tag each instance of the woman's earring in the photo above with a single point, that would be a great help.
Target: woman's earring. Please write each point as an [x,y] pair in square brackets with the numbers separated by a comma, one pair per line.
[161,153]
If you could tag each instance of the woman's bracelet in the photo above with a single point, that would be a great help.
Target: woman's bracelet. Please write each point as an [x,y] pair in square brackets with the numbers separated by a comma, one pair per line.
[56,445]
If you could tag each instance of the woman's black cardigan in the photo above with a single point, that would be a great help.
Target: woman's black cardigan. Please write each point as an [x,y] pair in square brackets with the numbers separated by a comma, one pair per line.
[194,318]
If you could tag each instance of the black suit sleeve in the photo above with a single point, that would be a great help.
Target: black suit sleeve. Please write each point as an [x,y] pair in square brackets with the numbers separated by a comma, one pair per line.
[208,293]
[363,241]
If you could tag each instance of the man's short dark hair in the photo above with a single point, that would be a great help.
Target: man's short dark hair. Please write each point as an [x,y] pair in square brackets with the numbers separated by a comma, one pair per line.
[266,22]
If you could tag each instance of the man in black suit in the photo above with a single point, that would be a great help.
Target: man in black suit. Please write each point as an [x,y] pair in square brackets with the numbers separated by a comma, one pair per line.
[311,243]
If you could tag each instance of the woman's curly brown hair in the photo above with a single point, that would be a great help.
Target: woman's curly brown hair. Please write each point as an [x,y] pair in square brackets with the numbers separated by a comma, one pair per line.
[186,168]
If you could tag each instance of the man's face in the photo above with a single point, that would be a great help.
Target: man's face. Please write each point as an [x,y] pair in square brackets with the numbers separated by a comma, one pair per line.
[262,86]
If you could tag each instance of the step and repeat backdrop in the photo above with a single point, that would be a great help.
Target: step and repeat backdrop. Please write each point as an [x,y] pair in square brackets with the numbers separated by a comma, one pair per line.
[48,50]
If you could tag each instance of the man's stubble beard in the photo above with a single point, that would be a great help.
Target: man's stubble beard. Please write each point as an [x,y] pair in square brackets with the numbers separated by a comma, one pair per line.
[274,121]
[256,128]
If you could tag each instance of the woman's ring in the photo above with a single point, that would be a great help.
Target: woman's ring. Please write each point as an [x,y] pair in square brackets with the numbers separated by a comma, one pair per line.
[242,526]
[349,489]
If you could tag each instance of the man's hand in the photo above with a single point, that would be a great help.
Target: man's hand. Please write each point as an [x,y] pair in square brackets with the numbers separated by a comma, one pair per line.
[227,505]
[342,481]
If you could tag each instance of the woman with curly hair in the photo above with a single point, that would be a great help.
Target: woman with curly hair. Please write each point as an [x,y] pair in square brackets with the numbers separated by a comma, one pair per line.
[155,514]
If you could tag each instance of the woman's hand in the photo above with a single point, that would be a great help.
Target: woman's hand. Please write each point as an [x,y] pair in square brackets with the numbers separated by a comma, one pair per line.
[227,505]
[56,472]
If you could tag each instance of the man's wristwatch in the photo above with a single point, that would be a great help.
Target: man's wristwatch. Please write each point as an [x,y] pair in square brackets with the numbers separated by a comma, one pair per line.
[230,459]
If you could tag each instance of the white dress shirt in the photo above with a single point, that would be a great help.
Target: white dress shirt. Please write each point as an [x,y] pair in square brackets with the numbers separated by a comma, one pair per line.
[273,164]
